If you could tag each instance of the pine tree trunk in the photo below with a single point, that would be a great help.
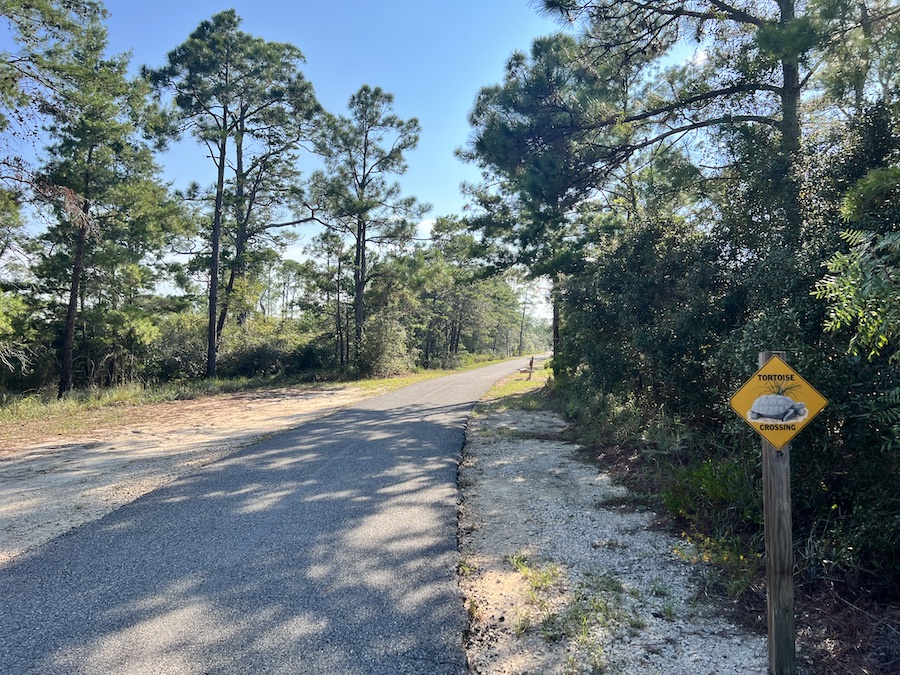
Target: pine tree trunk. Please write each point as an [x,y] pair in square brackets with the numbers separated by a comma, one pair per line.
[790,135]
[521,348]
[212,332]
[556,312]
[240,243]
[359,282]
[65,373]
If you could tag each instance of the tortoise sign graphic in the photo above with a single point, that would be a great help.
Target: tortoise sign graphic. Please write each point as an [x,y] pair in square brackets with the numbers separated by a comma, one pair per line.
[777,402]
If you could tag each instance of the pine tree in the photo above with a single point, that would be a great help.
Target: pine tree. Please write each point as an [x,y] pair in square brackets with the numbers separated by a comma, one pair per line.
[100,178]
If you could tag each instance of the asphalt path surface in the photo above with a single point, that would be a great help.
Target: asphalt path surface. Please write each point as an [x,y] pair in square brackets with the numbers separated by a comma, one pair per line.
[330,548]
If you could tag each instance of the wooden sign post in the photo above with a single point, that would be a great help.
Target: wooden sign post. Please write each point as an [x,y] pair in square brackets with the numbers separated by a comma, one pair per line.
[778,403]
[776,468]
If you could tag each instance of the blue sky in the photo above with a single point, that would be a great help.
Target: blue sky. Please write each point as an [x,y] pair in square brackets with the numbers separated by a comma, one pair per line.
[432,55]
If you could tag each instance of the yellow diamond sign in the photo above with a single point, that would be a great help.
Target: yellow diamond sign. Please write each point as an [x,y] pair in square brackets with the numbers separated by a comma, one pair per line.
[777,402]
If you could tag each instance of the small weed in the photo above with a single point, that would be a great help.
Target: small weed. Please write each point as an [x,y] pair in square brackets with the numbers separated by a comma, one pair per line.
[636,622]
[596,660]
[658,588]
[583,637]
[519,561]
[603,612]
[668,610]
[545,578]
[465,568]
[593,662]
[522,623]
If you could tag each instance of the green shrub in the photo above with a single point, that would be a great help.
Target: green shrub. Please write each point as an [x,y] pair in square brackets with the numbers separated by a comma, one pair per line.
[313,356]
[720,497]
[261,347]
[384,351]
[179,352]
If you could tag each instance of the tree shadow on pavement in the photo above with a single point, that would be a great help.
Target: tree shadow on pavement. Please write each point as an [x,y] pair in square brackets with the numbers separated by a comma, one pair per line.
[327,549]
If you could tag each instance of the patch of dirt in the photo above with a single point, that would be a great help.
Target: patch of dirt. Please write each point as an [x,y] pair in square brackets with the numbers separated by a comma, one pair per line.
[52,483]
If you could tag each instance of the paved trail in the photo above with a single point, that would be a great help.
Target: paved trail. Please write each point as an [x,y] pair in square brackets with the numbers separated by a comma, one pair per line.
[330,548]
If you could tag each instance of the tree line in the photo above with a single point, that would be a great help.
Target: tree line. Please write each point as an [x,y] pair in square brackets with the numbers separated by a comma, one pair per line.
[110,276]
[703,181]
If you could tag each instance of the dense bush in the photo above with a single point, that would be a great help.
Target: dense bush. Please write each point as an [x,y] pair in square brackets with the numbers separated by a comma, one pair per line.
[384,350]
[262,346]
[314,356]
[177,353]
[665,322]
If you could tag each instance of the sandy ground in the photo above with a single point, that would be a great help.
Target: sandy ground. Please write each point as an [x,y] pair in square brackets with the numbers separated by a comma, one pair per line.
[51,485]
[562,576]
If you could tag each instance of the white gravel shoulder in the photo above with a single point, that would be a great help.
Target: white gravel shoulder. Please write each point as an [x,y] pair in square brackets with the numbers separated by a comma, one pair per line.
[559,577]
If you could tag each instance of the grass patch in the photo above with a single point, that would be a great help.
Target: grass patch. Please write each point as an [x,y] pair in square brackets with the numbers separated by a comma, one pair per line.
[599,604]
[539,578]
[519,392]
[465,567]
[594,609]
[668,610]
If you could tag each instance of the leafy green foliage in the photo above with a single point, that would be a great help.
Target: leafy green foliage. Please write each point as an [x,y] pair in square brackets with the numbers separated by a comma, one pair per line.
[721,496]
[535,139]
[640,301]
[863,290]
[175,354]
[37,29]
[262,347]
[863,284]
[384,349]
[14,355]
